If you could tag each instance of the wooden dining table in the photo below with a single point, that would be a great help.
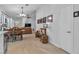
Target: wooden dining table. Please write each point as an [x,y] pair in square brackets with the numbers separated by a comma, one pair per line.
[14,33]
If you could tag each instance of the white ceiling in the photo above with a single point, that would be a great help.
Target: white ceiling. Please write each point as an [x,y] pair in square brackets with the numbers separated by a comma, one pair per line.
[14,9]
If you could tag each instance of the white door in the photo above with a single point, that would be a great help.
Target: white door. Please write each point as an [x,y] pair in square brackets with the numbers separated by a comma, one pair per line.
[76,35]
[76,29]
[66,29]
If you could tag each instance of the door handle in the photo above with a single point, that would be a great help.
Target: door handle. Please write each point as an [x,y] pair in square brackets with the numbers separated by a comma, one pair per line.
[68,31]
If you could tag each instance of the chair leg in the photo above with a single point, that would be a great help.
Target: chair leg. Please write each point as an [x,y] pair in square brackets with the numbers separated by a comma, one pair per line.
[14,38]
[21,37]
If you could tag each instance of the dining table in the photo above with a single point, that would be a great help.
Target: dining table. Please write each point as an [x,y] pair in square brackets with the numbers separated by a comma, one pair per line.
[14,34]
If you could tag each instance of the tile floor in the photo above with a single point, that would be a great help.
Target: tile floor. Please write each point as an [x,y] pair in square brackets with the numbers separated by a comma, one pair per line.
[32,45]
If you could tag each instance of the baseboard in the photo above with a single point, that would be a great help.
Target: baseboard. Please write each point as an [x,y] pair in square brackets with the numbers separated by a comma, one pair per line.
[54,44]
[58,46]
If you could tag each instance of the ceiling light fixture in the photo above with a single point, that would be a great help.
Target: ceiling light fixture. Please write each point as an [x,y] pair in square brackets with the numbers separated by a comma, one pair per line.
[22,13]
[26,4]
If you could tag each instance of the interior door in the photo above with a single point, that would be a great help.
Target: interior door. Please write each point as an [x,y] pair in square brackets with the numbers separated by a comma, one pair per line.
[66,29]
[76,35]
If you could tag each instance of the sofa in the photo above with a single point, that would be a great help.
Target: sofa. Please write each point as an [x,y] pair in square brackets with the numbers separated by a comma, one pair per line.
[26,30]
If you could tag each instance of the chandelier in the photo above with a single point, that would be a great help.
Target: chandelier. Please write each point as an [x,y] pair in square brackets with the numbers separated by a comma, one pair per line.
[22,13]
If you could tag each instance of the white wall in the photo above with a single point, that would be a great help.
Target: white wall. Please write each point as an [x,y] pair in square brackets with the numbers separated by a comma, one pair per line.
[31,20]
[54,28]
[45,11]
[18,22]
[10,23]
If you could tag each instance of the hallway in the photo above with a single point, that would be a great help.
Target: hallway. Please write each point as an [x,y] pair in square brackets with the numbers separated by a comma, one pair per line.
[59,23]
[32,45]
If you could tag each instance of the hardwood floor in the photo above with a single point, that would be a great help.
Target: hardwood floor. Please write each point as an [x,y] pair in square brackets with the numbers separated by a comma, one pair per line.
[32,45]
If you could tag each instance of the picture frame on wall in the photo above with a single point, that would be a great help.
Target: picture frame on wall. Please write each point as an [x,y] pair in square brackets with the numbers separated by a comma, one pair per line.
[41,20]
[76,14]
[49,18]
[37,21]
[44,20]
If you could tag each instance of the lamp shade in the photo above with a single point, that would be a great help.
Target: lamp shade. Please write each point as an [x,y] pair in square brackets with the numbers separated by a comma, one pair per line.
[45,25]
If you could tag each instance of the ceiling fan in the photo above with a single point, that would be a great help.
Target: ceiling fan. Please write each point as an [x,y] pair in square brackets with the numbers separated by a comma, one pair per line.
[22,14]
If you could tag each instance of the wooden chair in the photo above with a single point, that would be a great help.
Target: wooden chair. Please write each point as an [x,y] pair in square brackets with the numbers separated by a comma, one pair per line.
[14,34]
[44,37]
[17,34]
